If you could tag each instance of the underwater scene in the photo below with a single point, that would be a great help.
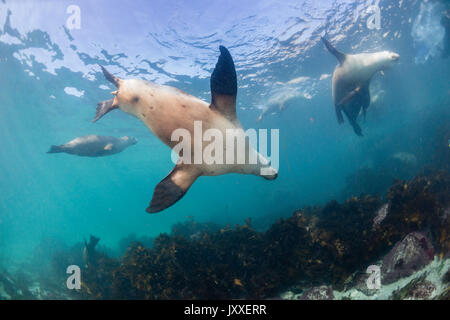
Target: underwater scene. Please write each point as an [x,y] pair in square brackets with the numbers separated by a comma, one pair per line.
[165,149]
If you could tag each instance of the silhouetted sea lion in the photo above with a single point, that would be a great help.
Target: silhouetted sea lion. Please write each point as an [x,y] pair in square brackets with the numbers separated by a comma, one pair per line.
[164,109]
[89,253]
[351,80]
[94,146]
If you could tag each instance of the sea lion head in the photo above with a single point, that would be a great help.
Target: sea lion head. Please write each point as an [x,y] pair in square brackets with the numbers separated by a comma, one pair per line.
[387,59]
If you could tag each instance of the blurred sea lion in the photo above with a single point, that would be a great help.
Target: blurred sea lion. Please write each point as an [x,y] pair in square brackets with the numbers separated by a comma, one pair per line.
[94,146]
[89,253]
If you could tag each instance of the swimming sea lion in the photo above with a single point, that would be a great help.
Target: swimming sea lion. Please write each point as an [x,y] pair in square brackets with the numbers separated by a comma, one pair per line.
[94,146]
[278,102]
[351,80]
[164,109]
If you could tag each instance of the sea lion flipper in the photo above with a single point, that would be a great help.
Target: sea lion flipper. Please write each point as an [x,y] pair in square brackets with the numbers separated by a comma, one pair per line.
[352,119]
[103,108]
[224,85]
[365,99]
[339,115]
[352,94]
[172,188]
[339,55]
[114,80]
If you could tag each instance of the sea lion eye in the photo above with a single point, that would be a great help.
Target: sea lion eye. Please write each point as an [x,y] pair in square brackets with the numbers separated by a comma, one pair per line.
[135,99]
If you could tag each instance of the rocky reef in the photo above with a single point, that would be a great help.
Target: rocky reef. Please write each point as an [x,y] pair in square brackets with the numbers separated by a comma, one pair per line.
[316,246]
[317,253]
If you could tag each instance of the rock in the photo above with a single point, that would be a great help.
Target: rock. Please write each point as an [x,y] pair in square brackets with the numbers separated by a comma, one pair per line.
[361,285]
[423,290]
[411,254]
[417,289]
[318,293]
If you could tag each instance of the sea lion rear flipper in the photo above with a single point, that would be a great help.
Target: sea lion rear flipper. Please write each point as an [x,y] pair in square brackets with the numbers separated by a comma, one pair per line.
[339,107]
[339,55]
[352,121]
[103,108]
[224,85]
[339,115]
[114,80]
[173,187]
[365,99]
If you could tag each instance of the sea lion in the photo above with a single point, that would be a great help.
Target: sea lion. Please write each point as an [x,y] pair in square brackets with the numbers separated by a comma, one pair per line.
[278,103]
[164,109]
[351,80]
[89,253]
[94,146]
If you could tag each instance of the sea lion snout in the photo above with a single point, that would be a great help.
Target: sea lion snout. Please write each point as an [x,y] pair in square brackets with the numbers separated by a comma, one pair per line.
[269,173]
[395,56]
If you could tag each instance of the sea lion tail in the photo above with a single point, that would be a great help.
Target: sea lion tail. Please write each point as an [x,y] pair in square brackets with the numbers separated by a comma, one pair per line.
[55,149]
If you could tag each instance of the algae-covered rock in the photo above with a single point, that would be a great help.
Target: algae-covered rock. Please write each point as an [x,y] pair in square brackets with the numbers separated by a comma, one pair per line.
[418,289]
[314,246]
[318,293]
[411,254]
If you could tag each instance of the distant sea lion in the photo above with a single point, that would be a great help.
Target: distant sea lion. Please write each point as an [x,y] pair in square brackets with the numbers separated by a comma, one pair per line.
[164,109]
[94,146]
[89,253]
[278,102]
[351,80]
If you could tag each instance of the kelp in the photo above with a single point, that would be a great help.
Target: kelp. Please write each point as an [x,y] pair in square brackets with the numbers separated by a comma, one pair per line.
[314,246]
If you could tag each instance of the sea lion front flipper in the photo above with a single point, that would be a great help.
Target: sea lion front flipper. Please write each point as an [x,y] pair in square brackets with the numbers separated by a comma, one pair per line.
[224,85]
[173,187]
[339,55]
[103,108]
[349,96]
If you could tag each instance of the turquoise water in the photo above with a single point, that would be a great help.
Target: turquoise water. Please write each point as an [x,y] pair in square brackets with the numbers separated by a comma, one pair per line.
[50,83]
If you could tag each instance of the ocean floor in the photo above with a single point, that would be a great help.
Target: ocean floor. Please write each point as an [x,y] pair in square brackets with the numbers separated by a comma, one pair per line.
[317,253]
